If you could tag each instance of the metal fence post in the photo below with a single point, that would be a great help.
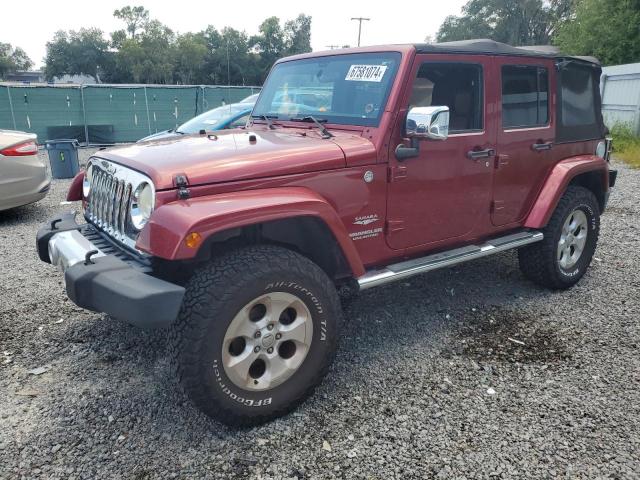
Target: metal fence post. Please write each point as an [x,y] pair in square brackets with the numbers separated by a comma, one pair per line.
[13,117]
[146,103]
[84,116]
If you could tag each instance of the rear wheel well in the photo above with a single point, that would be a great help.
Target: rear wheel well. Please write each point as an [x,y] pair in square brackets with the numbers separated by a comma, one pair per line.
[307,235]
[594,182]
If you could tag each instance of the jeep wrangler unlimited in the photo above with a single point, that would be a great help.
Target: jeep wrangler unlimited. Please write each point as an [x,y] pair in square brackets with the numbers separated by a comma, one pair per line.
[358,168]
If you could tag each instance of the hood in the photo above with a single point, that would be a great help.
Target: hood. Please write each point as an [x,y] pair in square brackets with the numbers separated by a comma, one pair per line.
[232,156]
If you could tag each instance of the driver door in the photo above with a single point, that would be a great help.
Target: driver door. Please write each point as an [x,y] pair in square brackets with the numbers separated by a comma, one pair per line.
[443,193]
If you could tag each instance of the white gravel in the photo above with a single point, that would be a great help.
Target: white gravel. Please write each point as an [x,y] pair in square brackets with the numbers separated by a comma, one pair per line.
[465,373]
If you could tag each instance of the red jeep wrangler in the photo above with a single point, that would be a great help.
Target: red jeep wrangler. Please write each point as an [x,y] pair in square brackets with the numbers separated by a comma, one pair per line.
[359,167]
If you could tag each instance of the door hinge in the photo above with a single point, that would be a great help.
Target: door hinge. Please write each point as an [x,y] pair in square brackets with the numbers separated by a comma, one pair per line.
[398,172]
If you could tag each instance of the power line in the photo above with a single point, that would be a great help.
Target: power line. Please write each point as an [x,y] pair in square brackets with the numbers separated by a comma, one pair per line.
[360,20]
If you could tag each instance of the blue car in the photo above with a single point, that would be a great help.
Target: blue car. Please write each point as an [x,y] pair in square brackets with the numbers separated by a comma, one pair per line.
[227,116]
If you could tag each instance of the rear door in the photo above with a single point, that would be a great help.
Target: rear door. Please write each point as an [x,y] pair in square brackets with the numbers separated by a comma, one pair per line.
[525,135]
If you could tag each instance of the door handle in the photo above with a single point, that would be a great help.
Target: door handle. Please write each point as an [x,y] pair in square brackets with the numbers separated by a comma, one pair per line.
[478,154]
[542,146]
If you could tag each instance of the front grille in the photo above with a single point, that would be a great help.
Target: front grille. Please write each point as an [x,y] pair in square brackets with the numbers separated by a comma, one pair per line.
[110,199]
[109,202]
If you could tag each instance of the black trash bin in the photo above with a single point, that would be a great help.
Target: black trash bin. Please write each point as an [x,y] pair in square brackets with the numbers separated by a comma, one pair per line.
[63,157]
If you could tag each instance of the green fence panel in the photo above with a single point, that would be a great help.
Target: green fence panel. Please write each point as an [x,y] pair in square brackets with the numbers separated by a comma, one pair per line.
[171,107]
[108,113]
[35,109]
[6,117]
[118,112]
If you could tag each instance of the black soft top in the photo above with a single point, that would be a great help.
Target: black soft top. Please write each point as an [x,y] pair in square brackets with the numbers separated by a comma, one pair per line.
[485,46]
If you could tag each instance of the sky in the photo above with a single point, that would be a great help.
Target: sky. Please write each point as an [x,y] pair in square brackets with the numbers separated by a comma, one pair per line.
[30,24]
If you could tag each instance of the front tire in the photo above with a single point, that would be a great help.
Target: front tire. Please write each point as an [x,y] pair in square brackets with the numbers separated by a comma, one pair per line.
[256,334]
[570,240]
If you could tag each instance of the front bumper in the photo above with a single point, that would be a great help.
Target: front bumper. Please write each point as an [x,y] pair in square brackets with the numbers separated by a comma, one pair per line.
[101,278]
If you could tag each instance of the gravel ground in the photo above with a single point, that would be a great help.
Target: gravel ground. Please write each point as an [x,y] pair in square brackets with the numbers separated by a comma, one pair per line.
[470,372]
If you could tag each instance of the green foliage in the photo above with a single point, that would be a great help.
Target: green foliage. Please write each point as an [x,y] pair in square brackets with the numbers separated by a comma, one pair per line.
[77,53]
[626,145]
[146,51]
[524,22]
[606,29]
[133,17]
[12,59]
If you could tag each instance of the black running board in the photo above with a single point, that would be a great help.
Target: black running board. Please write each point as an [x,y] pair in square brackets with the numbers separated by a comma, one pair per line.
[409,268]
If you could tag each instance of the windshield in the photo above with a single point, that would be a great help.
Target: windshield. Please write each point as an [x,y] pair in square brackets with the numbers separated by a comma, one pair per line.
[347,89]
[213,118]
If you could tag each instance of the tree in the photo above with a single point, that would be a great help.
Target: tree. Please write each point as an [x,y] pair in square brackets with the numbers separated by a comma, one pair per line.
[146,51]
[148,57]
[13,59]
[273,42]
[297,35]
[133,17]
[77,53]
[191,55]
[525,22]
[606,29]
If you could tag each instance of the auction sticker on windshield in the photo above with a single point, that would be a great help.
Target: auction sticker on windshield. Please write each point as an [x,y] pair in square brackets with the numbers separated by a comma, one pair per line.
[366,73]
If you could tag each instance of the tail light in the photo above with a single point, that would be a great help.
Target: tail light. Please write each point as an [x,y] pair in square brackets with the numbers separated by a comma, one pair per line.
[21,149]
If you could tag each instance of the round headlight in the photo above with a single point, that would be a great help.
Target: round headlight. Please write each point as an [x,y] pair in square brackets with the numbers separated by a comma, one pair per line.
[142,205]
[86,182]
[601,149]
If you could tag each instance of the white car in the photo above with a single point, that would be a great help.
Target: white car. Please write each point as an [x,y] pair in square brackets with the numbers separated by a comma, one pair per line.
[24,177]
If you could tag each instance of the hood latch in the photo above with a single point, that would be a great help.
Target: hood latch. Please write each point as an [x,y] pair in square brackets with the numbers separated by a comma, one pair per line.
[181,182]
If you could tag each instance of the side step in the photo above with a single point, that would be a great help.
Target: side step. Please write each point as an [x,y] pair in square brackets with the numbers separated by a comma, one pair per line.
[398,271]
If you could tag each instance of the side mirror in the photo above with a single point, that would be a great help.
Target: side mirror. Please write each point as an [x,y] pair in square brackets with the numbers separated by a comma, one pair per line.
[428,123]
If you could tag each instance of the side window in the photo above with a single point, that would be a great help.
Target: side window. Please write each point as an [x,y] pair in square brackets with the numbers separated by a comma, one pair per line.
[525,96]
[239,122]
[578,108]
[456,85]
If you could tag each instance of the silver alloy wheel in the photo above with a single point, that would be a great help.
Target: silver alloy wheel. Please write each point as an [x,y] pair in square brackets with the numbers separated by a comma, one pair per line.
[267,341]
[572,239]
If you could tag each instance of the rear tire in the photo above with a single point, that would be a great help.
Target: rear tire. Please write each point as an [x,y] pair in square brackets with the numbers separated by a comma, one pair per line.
[570,240]
[256,334]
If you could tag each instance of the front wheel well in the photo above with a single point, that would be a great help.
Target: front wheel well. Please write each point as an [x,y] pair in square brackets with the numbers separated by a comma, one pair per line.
[307,235]
[594,182]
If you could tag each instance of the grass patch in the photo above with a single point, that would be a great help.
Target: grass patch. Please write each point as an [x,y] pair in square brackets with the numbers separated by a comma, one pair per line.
[626,145]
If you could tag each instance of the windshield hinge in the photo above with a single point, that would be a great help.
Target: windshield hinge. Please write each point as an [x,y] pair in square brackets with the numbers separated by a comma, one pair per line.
[181,182]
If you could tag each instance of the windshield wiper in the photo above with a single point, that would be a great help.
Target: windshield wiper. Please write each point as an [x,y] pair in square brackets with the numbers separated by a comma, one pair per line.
[266,118]
[319,122]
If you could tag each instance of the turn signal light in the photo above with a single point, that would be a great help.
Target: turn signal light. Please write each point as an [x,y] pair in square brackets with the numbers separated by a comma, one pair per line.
[21,150]
[193,240]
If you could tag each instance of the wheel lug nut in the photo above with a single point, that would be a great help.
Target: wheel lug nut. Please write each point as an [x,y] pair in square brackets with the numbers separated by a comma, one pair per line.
[270,350]
[256,350]
[257,335]
[278,336]
[270,326]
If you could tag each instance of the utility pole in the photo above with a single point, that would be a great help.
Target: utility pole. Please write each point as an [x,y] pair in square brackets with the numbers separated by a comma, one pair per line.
[360,20]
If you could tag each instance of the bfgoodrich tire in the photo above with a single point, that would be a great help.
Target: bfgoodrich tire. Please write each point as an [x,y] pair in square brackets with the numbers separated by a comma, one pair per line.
[570,240]
[256,334]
